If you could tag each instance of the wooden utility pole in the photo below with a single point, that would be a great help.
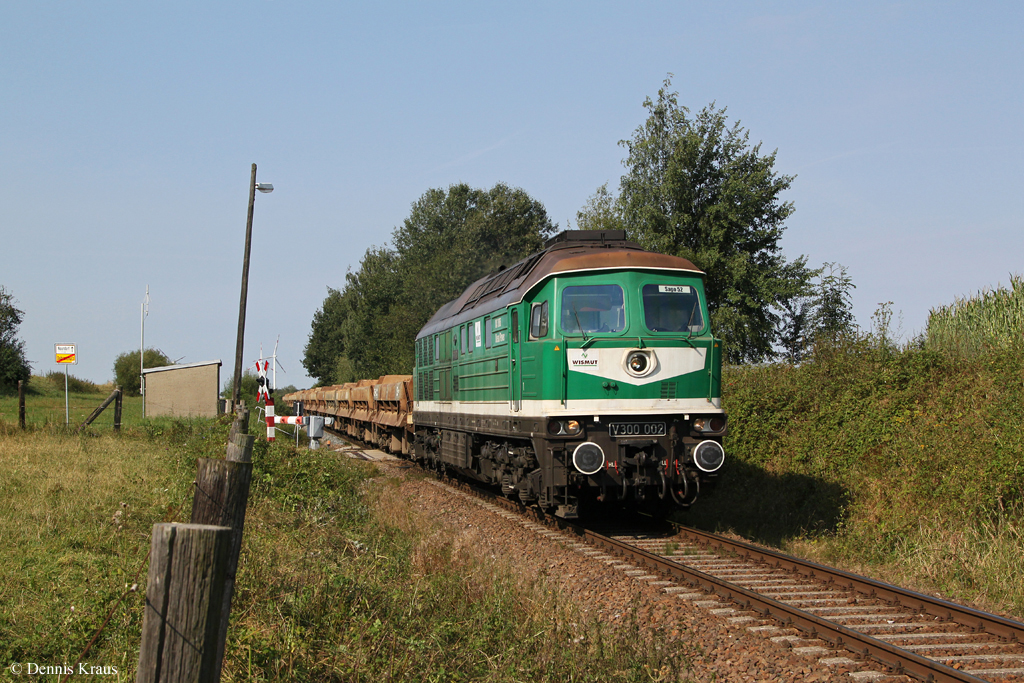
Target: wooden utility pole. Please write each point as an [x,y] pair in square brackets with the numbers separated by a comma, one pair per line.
[239,341]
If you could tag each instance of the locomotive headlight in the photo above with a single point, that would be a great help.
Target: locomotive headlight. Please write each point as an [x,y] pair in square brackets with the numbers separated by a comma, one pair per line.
[572,427]
[588,458]
[708,424]
[708,456]
[640,362]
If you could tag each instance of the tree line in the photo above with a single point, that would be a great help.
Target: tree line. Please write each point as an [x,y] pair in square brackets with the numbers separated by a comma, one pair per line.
[694,187]
[451,238]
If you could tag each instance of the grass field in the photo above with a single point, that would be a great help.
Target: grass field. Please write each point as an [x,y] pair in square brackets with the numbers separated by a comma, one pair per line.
[44,405]
[338,580]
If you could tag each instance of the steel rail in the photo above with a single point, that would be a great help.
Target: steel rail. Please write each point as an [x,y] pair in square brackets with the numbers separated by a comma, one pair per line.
[902,661]
[1007,629]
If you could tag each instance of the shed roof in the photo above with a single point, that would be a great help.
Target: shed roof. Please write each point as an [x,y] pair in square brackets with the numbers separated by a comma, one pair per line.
[183,366]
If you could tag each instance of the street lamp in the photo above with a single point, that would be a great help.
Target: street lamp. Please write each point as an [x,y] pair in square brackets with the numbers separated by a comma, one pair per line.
[265,188]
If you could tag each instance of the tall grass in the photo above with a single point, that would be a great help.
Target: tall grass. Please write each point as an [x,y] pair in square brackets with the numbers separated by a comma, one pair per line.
[990,319]
[341,578]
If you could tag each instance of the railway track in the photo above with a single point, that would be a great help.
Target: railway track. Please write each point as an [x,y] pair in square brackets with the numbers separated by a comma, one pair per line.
[858,619]
[843,619]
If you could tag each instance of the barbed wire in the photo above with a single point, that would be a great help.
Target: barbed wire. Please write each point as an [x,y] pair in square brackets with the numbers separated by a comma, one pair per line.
[168,518]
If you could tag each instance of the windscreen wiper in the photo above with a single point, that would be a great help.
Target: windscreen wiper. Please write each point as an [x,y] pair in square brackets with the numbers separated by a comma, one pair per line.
[577,316]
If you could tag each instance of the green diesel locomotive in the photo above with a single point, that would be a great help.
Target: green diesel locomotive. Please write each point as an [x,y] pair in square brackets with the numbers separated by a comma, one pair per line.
[585,373]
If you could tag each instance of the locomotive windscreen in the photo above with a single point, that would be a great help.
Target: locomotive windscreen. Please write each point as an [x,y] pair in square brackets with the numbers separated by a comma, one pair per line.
[594,308]
[672,308]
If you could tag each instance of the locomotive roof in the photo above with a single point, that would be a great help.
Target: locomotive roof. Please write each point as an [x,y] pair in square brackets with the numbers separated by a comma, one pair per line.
[569,252]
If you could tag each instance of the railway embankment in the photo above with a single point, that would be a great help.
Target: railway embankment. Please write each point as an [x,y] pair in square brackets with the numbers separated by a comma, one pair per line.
[904,463]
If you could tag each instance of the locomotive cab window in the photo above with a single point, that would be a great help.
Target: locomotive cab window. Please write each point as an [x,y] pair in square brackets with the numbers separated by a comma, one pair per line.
[437,348]
[539,321]
[462,338]
[672,308]
[590,309]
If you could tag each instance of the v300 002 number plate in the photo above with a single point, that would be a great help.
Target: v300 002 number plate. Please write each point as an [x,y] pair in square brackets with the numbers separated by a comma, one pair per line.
[636,428]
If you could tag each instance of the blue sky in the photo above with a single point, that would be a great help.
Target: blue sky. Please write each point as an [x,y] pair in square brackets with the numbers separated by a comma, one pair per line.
[127,131]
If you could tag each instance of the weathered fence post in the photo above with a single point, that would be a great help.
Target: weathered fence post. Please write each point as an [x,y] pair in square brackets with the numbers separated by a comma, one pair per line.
[184,591]
[21,403]
[100,409]
[241,423]
[240,448]
[117,409]
[221,496]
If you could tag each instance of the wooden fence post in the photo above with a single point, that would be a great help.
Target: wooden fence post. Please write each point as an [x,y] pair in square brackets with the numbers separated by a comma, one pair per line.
[21,403]
[221,496]
[184,592]
[241,423]
[240,448]
[117,409]
[100,409]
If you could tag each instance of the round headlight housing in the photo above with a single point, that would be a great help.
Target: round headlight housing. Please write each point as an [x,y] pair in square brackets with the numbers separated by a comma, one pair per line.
[573,427]
[708,456]
[588,458]
[640,362]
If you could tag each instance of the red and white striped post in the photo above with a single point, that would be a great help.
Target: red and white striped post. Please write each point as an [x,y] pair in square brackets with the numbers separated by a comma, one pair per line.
[263,394]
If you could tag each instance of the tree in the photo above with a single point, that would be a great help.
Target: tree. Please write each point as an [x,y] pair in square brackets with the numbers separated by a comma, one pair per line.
[451,238]
[696,188]
[126,369]
[326,342]
[833,304]
[823,316]
[793,329]
[600,212]
[13,365]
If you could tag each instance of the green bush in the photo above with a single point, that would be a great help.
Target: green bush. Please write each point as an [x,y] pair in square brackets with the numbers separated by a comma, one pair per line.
[869,448]
[126,368]
[75,385]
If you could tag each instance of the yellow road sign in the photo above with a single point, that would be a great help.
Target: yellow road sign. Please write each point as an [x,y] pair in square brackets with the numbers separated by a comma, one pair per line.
[65,354]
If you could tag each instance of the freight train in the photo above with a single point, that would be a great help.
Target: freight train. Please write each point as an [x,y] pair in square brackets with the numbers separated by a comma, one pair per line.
[584,374]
